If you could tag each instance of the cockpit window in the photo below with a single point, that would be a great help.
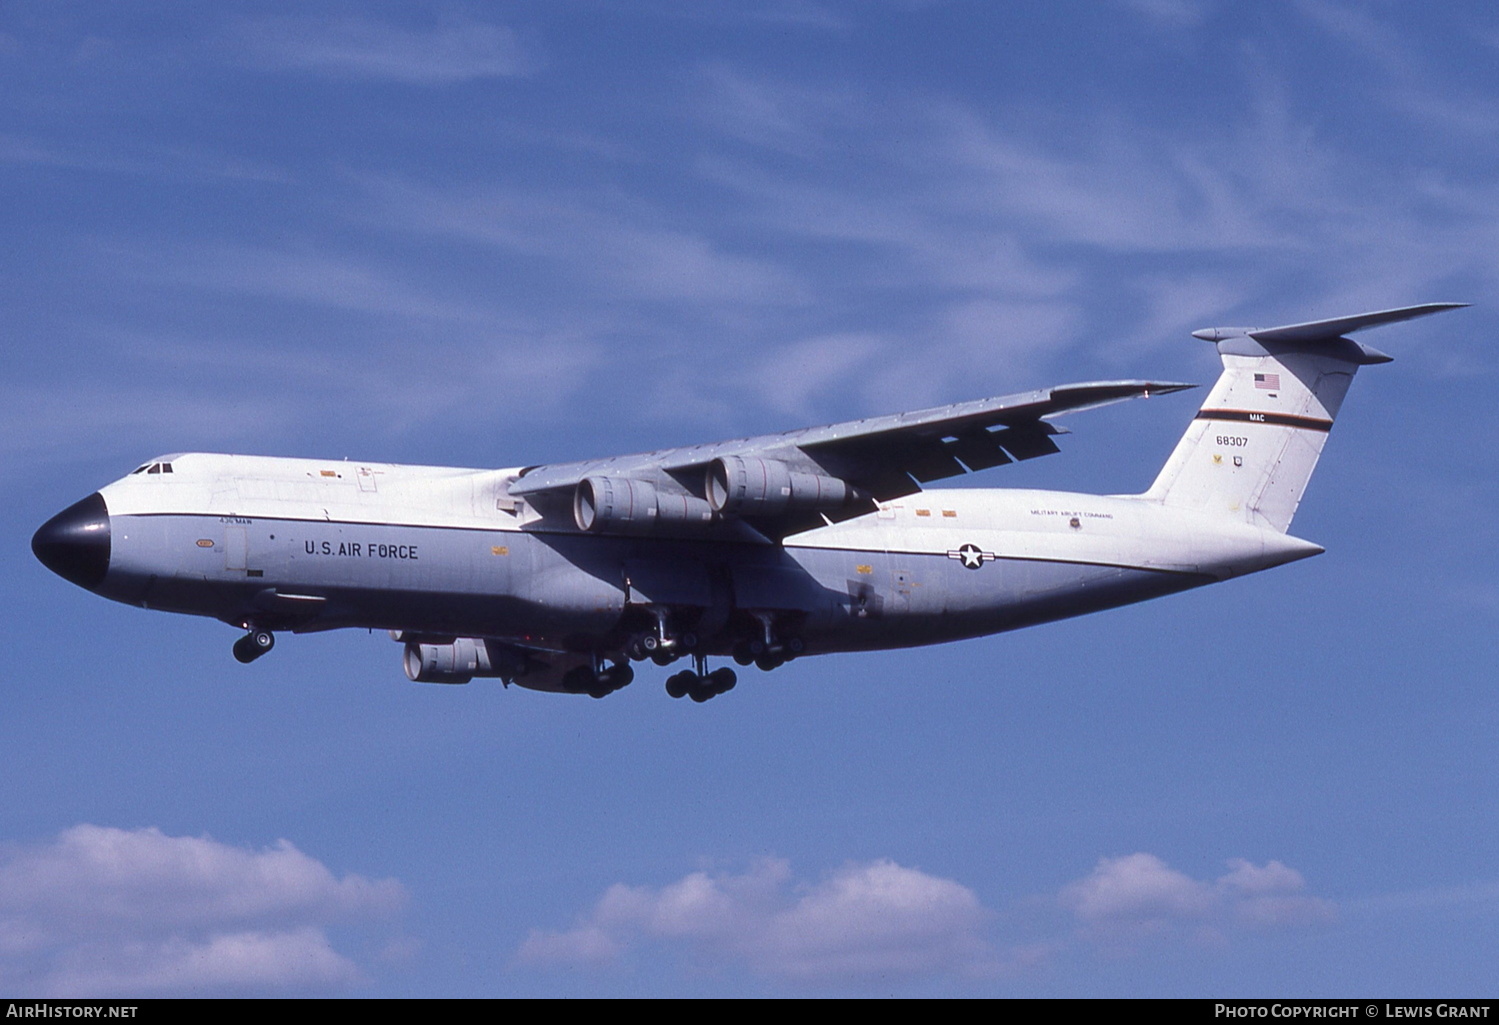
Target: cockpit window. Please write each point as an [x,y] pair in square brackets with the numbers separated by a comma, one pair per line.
[152,468]
[155,468]
[139,469]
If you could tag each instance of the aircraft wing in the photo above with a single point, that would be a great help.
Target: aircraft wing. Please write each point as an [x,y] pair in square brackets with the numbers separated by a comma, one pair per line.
[874,459]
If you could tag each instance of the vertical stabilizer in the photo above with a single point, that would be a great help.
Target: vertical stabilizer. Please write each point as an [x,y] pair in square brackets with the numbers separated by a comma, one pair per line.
[1252,447]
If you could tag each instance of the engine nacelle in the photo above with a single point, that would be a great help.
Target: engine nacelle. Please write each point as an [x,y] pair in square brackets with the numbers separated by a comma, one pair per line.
[435,660]
[745,486]
[462,660]
[626,506]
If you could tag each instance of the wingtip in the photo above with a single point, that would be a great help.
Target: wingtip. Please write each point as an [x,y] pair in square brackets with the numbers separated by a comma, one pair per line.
[1165,387]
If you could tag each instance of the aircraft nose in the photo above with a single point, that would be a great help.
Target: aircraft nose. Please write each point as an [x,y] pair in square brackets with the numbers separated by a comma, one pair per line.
[74,544]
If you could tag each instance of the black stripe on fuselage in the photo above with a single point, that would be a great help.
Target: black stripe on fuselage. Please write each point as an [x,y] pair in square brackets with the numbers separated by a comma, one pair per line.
[1305,423]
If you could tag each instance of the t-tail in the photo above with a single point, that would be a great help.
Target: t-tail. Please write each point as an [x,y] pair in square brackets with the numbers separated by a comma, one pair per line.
[1253,446]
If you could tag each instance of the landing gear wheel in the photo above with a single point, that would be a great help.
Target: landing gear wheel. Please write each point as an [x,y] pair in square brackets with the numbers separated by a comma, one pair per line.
[722,680]
[610,680]
[253,644]
[579,680]
[679,684]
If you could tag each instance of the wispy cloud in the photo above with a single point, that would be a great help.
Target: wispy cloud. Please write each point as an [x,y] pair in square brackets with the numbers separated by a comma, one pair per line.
[112,911]
[458,48]
[1260,210]
[1476,899]
[172,163]
[619,245]
[1170,14]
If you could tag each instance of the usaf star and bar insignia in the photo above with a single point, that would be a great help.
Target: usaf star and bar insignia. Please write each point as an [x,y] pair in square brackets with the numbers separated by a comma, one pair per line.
[971,556]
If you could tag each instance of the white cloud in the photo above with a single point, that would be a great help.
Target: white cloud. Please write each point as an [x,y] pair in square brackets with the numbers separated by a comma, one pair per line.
[881,922]
[1129,898]
[871,922]
[457,49]
[104,910]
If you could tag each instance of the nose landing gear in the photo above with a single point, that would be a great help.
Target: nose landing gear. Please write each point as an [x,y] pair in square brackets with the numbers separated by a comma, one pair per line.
[254,644]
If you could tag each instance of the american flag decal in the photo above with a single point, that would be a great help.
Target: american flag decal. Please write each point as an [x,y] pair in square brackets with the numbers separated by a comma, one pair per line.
[1270,382]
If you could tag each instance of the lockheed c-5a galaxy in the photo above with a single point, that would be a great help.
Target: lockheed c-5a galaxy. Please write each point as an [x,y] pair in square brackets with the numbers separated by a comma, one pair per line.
[763,549]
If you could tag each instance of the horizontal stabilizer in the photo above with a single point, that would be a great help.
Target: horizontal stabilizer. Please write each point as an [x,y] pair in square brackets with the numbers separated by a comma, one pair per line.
[1324,330]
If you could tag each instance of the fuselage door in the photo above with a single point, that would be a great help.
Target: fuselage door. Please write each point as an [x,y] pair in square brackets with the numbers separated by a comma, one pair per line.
[235,546]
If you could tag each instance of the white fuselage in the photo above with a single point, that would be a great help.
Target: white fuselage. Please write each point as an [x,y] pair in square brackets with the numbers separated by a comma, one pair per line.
[305,545]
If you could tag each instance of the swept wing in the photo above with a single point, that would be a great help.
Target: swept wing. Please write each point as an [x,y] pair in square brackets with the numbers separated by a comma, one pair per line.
[782,483]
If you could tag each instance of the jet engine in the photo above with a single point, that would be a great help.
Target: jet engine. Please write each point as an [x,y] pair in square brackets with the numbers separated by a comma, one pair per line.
[438,660]
[462,660]
[746,486]
[624,505]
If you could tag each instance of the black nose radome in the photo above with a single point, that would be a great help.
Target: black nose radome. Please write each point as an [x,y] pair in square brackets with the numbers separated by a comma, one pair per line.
[74,544]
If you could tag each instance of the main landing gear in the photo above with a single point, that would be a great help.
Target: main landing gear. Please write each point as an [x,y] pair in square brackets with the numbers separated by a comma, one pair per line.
[597,681]
[769,650]
[701,685]
[254,644]
[662,645]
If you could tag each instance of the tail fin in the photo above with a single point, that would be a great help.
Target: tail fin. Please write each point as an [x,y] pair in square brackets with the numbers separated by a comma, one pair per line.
[1253,446]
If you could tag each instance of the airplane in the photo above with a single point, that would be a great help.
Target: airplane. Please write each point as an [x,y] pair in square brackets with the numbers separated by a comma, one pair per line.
[764,549]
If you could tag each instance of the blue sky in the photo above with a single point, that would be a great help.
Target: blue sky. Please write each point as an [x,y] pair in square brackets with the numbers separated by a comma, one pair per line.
[513,233]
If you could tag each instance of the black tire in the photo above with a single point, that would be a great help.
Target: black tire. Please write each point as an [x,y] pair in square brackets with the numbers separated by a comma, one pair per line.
[252,645]
[244,652]
[722,680]
[579,680]
[677,684]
